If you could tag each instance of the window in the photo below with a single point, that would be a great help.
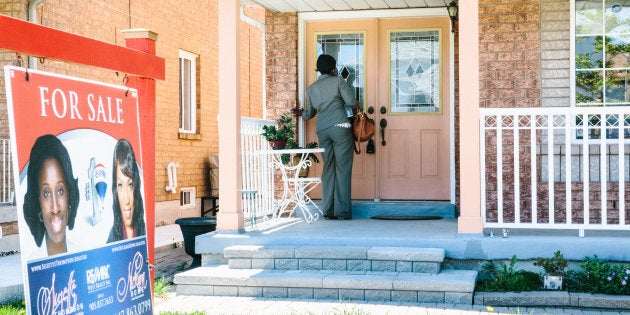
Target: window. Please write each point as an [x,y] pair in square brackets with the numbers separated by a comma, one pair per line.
[602,52]
[602,61]
[187,197]
[187,92]
[349,51]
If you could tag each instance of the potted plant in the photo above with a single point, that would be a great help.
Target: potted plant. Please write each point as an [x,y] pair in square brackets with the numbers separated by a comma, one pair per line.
[554,268]
[291,144]
[280,134]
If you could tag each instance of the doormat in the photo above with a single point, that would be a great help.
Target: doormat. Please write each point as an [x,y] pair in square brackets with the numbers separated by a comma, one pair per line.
[406,217]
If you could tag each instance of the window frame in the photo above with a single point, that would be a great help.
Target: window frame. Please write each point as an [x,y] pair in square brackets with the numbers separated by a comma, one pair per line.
[188,83]
[594,136]
[573,67]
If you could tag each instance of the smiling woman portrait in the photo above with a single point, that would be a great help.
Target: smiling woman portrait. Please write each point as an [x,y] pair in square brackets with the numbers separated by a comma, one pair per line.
[128,205]
[52,196]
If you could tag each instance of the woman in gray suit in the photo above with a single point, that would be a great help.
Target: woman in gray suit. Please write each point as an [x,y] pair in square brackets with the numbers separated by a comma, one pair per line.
[328,98]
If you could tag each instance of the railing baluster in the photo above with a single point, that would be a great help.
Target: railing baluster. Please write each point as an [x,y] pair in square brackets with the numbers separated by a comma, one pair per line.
[517,171]
[568,180]
[586,168]
[484,184]
[499,141]
[4,198]
[550,170]
[621,176]
[534,168]
[603,179]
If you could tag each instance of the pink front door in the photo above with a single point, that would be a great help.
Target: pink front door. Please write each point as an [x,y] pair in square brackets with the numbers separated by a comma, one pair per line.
[400,71]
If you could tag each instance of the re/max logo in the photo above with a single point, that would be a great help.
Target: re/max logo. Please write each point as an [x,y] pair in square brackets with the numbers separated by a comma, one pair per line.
[97,274]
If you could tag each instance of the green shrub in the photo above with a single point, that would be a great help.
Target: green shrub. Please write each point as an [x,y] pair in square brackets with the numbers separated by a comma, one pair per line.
[597,276]
[505,278]
[554,266]
[600,277]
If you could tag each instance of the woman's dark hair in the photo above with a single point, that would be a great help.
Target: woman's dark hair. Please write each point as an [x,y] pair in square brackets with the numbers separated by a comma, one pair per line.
[126,159]
[48,147]
[326,63]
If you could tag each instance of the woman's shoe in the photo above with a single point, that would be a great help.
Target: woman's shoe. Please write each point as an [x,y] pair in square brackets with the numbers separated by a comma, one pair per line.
[330,217]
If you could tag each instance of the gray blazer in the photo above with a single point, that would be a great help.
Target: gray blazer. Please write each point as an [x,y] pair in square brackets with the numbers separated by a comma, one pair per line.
[327,98]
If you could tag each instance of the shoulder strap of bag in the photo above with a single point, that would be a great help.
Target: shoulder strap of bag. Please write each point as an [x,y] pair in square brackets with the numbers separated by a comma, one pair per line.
[357,138]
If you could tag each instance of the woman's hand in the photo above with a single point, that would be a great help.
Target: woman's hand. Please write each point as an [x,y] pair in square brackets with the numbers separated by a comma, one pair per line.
[297,112]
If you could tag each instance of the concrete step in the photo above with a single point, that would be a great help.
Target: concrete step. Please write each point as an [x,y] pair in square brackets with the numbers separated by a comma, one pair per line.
[448,286]
[336,258]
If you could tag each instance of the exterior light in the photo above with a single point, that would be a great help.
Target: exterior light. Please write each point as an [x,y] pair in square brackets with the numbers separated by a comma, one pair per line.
[452,13]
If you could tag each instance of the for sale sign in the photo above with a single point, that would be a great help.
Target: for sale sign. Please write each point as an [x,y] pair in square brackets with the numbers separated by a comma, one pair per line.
[79,192]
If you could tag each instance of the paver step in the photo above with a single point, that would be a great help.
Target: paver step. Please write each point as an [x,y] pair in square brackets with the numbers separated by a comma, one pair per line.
[448,286]
[338,258]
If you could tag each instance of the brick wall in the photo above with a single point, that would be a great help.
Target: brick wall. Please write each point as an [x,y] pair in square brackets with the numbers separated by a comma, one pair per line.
[16,9]
[192,28]
[281,63]
[510,56]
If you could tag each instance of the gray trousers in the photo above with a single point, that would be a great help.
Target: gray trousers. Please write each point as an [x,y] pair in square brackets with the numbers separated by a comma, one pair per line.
[338,144]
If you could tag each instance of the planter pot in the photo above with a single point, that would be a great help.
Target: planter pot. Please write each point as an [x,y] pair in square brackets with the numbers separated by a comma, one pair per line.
[191,227]
[552,282]
[278,145]
[303,171]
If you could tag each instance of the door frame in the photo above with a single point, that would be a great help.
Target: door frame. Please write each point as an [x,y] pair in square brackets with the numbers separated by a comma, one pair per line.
[305,17]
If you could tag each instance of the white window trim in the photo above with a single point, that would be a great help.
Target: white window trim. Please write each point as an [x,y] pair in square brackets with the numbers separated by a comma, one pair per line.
[192,192]
[193,92]
[572,68]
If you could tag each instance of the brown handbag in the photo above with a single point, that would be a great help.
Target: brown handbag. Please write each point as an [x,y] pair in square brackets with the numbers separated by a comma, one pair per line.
[363,128]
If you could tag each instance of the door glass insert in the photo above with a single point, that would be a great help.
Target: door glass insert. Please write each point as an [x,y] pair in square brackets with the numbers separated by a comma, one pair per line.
[348,50]
[415,71]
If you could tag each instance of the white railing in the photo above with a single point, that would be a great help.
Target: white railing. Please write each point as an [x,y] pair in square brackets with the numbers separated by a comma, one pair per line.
[258,175]
[555,168]
[6,176]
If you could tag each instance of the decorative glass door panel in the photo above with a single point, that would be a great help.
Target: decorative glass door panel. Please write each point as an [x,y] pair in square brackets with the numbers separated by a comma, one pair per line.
[349,51]
[415,71]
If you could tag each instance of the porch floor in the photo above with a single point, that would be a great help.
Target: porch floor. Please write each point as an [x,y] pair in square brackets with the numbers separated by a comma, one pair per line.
[441,233]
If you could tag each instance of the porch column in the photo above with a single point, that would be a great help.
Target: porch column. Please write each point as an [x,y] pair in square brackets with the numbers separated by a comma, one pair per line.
[469,221]
[230,217]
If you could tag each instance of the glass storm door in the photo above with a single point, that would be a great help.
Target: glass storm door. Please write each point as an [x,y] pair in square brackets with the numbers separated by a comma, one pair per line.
[399,70]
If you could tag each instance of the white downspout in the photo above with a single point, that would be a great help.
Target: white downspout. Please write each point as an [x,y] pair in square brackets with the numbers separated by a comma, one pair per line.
[171,171]
[32,17]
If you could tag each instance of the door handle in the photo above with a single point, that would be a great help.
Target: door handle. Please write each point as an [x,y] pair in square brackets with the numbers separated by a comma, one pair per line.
[383,124]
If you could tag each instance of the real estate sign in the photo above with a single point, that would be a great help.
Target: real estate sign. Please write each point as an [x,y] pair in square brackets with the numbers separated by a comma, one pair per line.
[79,193]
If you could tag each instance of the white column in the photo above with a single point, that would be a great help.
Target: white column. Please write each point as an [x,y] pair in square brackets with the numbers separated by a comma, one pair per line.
[230,216]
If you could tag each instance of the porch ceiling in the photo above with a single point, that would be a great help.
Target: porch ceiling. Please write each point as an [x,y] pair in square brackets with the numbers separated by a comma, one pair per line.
[346,5]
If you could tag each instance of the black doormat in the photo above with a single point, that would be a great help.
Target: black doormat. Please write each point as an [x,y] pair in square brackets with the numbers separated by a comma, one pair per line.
[406,217]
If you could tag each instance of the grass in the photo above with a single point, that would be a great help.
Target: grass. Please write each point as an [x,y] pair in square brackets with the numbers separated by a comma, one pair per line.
[161,287]
[182,266]
[354,310]
[12,307]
